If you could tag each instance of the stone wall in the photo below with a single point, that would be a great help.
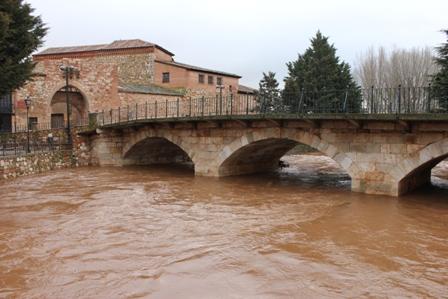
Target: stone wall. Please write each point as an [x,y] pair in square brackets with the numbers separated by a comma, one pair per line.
[381,157]
[131,68]
[12,167]
[44,159]
[98,82]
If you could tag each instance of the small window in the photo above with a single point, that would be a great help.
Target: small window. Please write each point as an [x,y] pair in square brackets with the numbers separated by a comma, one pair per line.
[32,123]
[201,78]
[166,77]
[210,80]
[219,81]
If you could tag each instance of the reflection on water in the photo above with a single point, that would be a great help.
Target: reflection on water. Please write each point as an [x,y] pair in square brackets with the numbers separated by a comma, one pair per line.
[160,232]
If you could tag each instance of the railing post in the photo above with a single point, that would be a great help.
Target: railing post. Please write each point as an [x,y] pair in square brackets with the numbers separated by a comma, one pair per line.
[177,107]
[247,104]
[231,104]
[146,110]
[302,94]
[220,103]
[103,117]
[119,114]
[371,100]
[399,99]
[155,106]
[345,101]
[166,108]
[299,106]
[136,111]
[202,104]
[428,108]
[216,104]
[190,107]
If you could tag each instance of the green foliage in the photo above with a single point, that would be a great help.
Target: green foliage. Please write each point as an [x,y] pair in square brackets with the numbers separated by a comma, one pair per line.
[21,33]
[321,80]
[440,80]
[269,98]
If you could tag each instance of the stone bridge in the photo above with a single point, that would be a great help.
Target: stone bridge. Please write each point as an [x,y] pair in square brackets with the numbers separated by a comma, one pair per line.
[382,155]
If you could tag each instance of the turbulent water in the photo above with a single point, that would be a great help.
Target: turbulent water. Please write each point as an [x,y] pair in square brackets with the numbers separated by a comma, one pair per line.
[160,232]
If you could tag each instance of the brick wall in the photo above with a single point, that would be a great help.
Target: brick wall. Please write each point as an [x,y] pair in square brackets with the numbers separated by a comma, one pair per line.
[189,79]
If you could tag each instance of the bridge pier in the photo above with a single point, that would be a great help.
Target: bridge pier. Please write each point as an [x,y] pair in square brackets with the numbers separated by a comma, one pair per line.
[381,157]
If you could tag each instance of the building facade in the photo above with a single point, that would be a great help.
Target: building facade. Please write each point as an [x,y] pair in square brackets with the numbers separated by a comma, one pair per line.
[108,76]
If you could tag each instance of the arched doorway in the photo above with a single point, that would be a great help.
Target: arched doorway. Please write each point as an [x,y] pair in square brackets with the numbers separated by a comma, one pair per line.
[59,107]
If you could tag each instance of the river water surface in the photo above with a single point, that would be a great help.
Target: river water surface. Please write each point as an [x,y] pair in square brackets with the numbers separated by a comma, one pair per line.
[160,232]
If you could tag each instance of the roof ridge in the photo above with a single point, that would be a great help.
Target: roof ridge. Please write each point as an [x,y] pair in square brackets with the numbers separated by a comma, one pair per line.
[114,45]
[91,45]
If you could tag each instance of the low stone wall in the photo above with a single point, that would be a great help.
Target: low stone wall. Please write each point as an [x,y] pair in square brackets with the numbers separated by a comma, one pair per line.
[11,167]
[38,162]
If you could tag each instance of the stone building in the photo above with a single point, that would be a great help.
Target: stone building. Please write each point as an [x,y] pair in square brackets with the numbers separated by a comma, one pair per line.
[124,72]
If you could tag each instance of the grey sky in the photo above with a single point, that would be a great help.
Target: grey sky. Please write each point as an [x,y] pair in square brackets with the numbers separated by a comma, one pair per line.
[246,37]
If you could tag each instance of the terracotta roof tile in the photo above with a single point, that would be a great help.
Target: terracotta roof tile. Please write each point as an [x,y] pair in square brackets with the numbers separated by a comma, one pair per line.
[115,45]
[128,43]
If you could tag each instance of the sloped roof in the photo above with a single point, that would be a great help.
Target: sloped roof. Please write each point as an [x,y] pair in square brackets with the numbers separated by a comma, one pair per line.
[150,89]
[246,89]
[197,68]
[115,45]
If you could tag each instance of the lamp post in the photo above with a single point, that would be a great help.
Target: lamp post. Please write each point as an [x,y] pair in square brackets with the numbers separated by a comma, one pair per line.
[27,104]
[68,71]
[219,88]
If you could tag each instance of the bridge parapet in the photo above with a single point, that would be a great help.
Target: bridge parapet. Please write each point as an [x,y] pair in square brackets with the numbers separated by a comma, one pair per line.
[374,103]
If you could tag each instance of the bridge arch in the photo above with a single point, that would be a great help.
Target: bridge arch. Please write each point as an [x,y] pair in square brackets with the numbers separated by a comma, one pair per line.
[151,148]
[415,170]
[261,151]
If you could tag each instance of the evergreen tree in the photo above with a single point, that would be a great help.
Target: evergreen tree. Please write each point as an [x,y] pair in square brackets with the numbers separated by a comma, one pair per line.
[318,81]
[440,80]
[21,33]
[269,99]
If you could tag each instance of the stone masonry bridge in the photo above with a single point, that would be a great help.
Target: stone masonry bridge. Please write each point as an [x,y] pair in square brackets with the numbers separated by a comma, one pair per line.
[383,154]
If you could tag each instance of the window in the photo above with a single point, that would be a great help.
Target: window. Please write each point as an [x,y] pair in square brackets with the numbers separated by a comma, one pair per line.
[6,103]
[32,123]
[201,78]
[219,81]
[210,80]
[166,77]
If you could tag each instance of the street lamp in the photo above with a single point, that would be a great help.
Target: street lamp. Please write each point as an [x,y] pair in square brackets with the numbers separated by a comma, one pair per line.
[28,105]
[220,87]
[68,71]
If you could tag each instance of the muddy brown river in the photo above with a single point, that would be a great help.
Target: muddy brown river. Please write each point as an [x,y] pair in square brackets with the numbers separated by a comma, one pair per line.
[160,232]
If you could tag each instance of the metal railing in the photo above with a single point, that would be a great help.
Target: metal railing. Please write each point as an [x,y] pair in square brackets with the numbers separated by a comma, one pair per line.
[46,126]
[400,100]
[11,147]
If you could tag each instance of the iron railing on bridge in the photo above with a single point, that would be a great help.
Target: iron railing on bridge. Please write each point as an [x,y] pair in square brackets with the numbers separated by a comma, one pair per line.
[400,100]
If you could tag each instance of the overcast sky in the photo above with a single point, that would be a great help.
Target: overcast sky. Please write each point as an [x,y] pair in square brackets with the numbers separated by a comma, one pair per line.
[246,37]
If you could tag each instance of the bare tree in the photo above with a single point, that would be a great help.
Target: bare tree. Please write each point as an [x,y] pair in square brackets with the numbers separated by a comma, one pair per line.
[385,71]
[408,67]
